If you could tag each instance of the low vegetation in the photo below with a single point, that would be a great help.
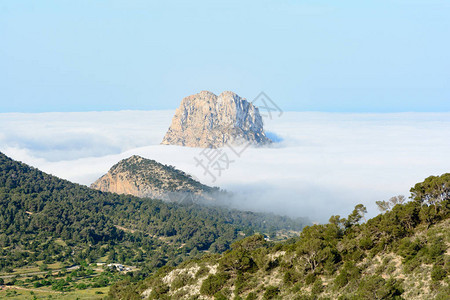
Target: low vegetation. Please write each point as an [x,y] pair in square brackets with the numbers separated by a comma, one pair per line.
[402,253]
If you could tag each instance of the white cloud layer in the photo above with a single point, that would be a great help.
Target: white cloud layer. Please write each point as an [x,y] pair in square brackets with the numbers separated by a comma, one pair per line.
[323,164]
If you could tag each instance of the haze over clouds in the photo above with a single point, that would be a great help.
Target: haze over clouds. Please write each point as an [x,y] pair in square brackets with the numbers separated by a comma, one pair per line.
[324,164]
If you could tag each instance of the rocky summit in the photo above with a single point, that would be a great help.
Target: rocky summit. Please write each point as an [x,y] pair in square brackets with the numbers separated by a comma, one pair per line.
[147,178]
[209,121]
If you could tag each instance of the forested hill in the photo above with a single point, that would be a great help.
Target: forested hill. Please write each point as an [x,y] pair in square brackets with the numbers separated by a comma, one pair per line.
[47,219]
[146,178]
[403,253]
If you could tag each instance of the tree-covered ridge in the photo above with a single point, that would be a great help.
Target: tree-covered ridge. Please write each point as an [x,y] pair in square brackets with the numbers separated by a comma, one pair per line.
[400,254]
[47,219]
[160,175]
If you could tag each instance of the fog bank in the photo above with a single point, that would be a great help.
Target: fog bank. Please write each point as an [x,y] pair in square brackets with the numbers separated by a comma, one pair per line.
[321,164]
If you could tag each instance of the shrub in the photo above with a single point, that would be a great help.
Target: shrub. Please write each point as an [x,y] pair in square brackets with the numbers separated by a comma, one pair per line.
[220,296]
[443,293]
[251,296]
[317,288]
[203,271]
[271,292]
[375,287]
[213,284]
[180,281]
[438,273]
[348,273]
[159,291]
[237,260]
[411,265]
[366,243]
[408,249]
[357,255]
[238,283]
[291,277]
[310,278]
[340,280]
[436,249]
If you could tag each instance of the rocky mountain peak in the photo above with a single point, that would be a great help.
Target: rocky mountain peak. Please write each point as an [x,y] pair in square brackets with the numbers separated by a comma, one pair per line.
[148,178]
[209,121]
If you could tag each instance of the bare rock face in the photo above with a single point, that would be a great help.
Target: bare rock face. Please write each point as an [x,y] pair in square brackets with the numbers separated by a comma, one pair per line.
[209,121]
[147,178]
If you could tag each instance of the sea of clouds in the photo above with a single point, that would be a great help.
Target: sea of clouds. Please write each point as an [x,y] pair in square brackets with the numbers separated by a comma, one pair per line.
[322,163]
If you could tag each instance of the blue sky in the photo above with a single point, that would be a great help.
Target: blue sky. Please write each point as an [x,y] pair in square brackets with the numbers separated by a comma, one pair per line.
[351,56]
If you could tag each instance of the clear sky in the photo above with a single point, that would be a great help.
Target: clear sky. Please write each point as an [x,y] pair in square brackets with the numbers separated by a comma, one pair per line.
[350,56]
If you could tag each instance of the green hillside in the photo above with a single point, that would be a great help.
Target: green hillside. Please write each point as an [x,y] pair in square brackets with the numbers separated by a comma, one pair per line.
[400,254]
[50,225]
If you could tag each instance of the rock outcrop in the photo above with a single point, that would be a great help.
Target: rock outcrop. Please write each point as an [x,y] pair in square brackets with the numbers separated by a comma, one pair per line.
[209,121]
[147,178]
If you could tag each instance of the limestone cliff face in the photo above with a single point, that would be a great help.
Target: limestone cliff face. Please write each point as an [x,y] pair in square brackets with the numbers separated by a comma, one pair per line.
[149,179]
[209,121]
